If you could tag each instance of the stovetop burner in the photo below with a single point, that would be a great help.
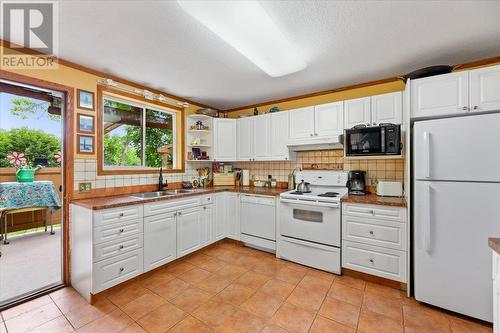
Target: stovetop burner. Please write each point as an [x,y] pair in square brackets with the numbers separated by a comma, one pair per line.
[329,194]
[299,193]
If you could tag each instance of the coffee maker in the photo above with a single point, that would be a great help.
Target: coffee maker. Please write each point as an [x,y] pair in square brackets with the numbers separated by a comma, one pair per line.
[356,182]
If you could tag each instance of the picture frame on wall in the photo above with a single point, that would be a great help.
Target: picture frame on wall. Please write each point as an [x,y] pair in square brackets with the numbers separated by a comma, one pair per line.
[86,124]
[85,99]
[85,144]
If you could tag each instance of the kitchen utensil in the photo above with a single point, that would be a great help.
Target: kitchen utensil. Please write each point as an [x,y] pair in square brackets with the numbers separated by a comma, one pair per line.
[304,187]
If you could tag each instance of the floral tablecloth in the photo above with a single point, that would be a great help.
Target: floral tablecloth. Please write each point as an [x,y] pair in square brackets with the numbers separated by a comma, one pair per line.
[14,195]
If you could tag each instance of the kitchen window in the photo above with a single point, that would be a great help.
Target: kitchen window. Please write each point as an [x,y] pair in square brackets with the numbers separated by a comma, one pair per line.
[137,137]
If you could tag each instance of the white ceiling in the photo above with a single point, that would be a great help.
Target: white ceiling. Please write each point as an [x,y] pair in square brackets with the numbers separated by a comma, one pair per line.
[344,42]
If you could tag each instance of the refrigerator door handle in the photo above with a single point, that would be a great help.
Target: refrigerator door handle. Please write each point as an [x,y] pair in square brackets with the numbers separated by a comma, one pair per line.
[426,225]
[427,154]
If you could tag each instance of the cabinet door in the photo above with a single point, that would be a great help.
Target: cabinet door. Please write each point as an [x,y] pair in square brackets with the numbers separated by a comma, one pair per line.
[262,137]
[245,138]
[219,229]
[225,139]
[279,136]
[207,219]
[496,306]
[440,95]
[387,108]
[357,112]
[232,216]
[329,119]
[485,89]
[159,240]
[188,231]
[301,123]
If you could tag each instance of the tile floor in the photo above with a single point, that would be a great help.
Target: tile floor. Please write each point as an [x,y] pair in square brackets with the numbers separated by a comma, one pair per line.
[229,288]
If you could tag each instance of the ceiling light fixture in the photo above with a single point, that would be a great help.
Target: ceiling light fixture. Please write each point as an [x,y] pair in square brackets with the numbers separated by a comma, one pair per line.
[246,26]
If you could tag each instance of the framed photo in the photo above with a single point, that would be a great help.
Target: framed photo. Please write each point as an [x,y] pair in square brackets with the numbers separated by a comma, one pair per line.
[86,124]
[85,144]
[85,99]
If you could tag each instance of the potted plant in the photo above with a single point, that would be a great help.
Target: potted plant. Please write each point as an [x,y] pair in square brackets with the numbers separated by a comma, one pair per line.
[25,172]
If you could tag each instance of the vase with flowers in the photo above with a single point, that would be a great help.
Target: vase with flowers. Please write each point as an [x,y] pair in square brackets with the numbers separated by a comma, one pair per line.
[25,172]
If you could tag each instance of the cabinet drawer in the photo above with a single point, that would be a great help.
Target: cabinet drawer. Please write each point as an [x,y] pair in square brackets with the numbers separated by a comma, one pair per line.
[111,249]
[117,231]
[261,200]
[112,271]
[374,260]
[375,211]
[387,234]
[207,199]
[115,215]
[166,206]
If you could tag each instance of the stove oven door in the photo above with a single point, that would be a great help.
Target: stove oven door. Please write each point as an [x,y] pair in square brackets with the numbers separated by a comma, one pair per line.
[312,221]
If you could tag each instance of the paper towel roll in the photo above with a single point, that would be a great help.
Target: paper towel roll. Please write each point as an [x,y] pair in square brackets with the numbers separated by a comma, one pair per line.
[246,178]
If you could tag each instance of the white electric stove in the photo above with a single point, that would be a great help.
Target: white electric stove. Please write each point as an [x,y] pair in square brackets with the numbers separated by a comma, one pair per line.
[309,223]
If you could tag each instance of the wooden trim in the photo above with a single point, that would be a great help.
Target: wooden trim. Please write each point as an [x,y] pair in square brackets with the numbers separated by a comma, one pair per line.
[101,90]
[92,71]
[78,151]
[319,93]
[141,98]
[375,279]
[478,63]
[78,91]
[78,115]
[68,149]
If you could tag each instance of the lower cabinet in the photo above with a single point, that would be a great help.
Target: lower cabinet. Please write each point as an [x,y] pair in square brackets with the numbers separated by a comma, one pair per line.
[189,230]
[233,216]
[207,220]
[219,231]
[160,241]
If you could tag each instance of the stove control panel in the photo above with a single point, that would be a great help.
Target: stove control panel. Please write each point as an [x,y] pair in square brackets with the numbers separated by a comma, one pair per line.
[322,177]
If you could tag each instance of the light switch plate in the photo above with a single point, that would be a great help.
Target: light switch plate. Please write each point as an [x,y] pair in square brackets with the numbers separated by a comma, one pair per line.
[84,187]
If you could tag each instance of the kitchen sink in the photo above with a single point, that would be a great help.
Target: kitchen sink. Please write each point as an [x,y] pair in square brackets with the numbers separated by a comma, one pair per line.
[180,191]
[150,195]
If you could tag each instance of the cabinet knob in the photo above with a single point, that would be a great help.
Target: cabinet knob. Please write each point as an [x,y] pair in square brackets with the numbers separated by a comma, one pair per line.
[475,107]
[372,261]
[372,233]
[367,124]
[465,108]
[374,123]
[175,214]
[179,213]
[121,214]
[121,247]
[204,207]
[311,134]
[121,230]
[122,269]
[371,212]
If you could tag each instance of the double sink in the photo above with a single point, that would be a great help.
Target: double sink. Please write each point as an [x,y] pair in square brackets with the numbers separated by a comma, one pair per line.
[159,194]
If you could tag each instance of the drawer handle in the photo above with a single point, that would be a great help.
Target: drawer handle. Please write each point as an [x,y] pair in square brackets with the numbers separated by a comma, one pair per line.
[372,233]
[121,247]
[122,269]
[121,230]
[204,207]
[372,261]
[121,214]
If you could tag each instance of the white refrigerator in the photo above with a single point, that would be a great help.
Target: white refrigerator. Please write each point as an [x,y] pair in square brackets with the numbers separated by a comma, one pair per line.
[456,179]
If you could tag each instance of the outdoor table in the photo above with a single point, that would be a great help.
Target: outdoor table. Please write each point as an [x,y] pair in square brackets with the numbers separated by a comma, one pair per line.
[18,197]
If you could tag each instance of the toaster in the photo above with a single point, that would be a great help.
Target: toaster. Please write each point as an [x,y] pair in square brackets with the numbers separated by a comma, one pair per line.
[389,188]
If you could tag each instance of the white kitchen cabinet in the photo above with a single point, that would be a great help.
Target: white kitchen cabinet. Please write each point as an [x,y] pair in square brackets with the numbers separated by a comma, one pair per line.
[188,231]
[160,246]
[224,139]
[357,112]
[496,292]
[329,119]
[219,225]
[440,95]
[387,108]
[207,220]
[262,138]
[232,216]
[279,136]
[301,123]
[245,138]
[485,89]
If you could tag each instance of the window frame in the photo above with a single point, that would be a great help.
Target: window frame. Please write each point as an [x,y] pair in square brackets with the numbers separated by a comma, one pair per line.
[138,101]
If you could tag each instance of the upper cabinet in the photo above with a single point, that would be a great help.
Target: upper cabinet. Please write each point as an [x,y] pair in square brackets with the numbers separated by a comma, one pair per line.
[440,95]
[329,119]
[374,110]
[357,112]
[262,137]
[279,136]
[224,139]
[485,89]
[301,123]
[245,137]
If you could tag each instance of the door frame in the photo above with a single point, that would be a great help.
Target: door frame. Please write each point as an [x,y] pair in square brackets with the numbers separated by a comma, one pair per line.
[68,154]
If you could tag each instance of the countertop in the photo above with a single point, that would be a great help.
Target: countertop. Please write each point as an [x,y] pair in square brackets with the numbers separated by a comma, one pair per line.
[494,243]
[373,199]
[125,200]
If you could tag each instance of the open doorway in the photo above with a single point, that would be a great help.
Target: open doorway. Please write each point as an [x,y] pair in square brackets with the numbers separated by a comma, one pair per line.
[31,138]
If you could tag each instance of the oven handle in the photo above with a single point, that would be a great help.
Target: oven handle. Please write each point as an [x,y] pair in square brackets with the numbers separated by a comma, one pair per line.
[311,203]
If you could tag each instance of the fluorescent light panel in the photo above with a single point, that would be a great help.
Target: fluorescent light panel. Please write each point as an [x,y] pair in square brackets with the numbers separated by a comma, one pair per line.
[246,26]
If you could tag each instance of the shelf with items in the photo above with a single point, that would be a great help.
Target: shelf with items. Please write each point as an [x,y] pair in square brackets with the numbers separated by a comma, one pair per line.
[199,138]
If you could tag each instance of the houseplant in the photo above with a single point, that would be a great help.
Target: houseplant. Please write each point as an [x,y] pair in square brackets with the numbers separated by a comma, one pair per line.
[25,172]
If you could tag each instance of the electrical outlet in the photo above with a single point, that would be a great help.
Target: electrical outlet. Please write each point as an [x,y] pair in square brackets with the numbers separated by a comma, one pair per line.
[84,187]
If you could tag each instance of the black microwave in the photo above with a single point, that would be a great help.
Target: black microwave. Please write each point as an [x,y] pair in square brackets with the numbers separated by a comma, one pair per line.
[384,139]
